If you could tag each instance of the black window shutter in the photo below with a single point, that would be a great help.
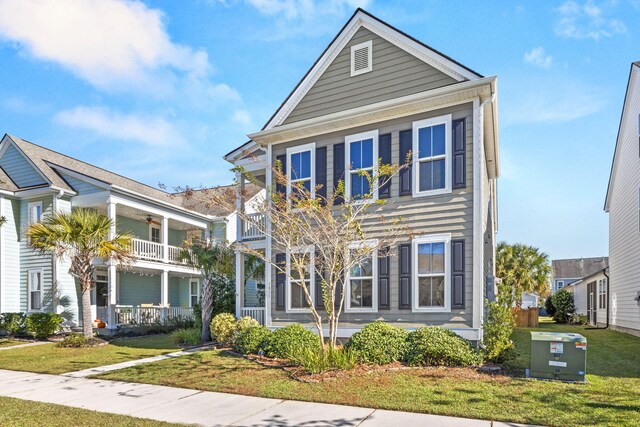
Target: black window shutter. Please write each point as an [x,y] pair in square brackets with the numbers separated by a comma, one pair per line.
[281,281]
[321,173]
[384,152]
[459,154]
[338,169]
[384,285]
[405,149]
[404,269]
[319,302]
[457,274]
[281,187]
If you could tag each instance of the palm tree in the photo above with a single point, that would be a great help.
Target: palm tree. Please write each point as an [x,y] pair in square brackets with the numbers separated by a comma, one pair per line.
[216,263]
[522,268]
[83,236]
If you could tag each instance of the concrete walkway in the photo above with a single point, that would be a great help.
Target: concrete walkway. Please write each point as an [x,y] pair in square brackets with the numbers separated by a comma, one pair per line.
[206,408]
[29,344]
[116,366]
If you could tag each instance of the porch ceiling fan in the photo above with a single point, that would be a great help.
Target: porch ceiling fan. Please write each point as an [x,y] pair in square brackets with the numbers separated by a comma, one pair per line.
[149,220]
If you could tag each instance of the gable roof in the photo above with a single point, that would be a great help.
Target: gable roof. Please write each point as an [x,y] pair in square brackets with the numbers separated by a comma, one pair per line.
[634,66]
[362,18]
[577,268]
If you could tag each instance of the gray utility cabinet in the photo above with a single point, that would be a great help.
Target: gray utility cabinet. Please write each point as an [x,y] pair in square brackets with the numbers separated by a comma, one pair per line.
[558,356]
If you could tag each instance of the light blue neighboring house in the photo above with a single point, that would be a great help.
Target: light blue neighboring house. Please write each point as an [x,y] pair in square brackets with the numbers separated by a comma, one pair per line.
[36,181]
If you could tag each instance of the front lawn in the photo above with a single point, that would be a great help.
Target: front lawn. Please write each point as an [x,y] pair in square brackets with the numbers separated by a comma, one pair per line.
[10,342]
[18,413]
[611,398]
[51,359]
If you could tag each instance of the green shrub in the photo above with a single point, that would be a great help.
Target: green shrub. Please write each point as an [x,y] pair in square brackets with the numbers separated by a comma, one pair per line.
[73,341]
[579,319]
[246,323]
[498,346]
[548,306]
[251,340]
[379,343]
[42,325]
[563,303]
[186,337]
[434,346]
[315,360]
[293,336]
[223,328]
[13,323]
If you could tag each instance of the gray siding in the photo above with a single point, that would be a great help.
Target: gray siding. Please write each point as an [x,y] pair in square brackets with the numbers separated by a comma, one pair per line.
[19,169]
[81,187]
[449,213]
[11,249]
[624,235]
[395,73]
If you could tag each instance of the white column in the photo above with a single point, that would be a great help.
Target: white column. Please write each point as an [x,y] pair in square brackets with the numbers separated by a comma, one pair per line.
[165,238]
[3,282]
[239,204]
[239,282]
[164,288]
[111,270]
[268,252]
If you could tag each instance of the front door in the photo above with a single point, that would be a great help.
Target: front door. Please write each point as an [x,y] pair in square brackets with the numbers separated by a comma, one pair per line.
[101,297]
[591,303]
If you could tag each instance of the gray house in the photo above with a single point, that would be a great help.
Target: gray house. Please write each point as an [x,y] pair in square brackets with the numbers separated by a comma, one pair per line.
[380,90]
[567,271]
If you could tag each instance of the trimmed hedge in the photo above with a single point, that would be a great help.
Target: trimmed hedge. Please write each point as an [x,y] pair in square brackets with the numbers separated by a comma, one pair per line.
[223,328]
[251,340]
[42,325]
[282,340]
[434,346]
[379,343]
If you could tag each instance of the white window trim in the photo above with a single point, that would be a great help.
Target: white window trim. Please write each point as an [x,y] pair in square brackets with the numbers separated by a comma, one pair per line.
[29,273]
[374,280]
[30,207]
[369,45]
[432,238]
[373,134]
[197,294]
[300,149]
[312,279]
[559,284]
[434,121]
[157,227]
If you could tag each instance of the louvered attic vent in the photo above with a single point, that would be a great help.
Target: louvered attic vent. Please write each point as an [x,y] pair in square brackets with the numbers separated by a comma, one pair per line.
[361,58]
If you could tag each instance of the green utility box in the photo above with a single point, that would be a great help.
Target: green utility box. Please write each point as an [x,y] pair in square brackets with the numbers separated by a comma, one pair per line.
[558,356]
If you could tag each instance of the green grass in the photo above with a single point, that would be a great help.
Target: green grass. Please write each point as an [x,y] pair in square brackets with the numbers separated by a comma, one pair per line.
[8,342]
[51,359]
[18,413]
[612,397]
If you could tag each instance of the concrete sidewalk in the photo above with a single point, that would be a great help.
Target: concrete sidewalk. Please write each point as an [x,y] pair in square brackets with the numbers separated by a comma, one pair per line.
[29,344]
[206,408]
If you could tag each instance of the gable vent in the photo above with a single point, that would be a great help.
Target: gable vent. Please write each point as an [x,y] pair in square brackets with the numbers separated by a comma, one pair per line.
[361,58]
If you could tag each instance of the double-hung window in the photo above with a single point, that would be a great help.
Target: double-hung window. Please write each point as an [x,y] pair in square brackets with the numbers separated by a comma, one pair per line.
[362,165]
[194,292]
[154,234]
[35,212]
[34,280]
[301,170]
[362,292]
[602,294]
[431,273]
[431,158]
[300,266]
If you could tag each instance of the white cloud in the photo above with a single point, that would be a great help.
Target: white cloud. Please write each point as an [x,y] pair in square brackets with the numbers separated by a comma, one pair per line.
[109,43]
[538,57]
[587,21]
[150,130]
[243,118]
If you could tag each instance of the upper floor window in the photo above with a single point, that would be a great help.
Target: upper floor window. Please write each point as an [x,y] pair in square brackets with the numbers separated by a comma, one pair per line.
[361,289]
[361,164]
[301,169]
[35,212]
[300,276]
[154,234]
[431,267]
[431,162]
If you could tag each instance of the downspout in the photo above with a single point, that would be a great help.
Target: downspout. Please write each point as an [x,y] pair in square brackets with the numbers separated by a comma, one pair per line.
[604,271]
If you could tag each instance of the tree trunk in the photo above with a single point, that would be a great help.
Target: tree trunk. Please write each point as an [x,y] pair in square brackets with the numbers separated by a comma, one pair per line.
[87,321]
[206,306]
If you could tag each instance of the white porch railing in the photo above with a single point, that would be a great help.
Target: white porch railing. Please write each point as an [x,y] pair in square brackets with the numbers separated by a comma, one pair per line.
[253,226]
[152,251]
[256,313]
[139,315]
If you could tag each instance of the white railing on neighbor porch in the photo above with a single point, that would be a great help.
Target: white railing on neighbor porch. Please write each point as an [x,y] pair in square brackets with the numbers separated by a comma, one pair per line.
[256,313]
[152,251]
[253,226]
[143,315]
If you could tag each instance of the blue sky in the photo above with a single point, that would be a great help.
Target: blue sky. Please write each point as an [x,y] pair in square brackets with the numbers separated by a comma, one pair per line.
[161,90]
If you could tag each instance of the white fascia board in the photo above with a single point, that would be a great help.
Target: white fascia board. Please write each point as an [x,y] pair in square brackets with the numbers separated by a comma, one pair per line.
[460,93]
[243,150]
[80,176]
[400,40]
[122,200]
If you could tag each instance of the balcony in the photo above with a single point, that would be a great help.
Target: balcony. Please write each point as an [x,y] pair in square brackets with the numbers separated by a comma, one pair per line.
[252,228]
[152,251]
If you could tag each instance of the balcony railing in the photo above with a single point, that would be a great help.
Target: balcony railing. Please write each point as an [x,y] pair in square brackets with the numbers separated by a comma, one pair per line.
[253,226]
[256,313]
[145,315]
[152,251]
